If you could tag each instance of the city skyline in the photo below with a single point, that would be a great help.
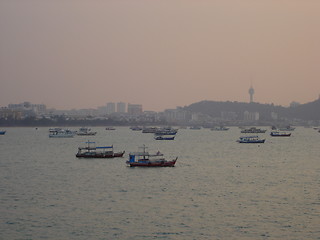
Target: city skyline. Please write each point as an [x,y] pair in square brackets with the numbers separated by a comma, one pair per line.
[82,54]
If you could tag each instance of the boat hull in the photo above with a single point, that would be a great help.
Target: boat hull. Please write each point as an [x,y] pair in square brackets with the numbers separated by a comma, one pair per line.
[164,138]
[150,164]
[87,134]
[258,141]
[61,136]
[280,134]
[100,155]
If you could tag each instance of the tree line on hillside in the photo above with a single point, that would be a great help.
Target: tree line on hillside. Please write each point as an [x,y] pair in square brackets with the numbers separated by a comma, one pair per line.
[308,111]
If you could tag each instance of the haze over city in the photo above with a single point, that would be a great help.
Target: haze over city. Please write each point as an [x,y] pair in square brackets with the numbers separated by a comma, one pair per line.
[161,54]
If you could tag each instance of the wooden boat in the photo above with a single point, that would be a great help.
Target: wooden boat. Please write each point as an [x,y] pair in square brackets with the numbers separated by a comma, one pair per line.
[279,134]
[145,159]
[91,151]
[250,139]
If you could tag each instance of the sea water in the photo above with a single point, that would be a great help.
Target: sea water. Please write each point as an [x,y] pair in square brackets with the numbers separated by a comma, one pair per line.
[219,189]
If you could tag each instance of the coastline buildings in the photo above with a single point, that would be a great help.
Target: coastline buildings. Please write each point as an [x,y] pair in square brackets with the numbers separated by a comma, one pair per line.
[134,109]
[111,108]
[251,116]
[205,113]
[121,107]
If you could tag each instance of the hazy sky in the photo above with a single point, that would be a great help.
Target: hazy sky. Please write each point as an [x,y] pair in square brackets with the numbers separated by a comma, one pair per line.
[158,53]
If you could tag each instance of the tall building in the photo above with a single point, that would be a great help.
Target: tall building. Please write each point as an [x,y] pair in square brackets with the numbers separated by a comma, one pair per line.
[134,109]
[251,116]
[121,107]
[111,107]
[251,92]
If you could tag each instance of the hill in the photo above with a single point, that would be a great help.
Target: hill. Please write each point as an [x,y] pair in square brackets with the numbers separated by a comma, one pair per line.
[308,111]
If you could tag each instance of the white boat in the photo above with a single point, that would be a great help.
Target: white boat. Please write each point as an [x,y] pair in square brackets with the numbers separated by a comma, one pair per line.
[85,132]
[61,133]
[280,134]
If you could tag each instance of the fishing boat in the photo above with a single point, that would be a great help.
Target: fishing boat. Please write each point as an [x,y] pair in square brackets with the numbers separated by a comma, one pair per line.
[287,128]
[253,130]
[91,151]
[250,139]
[86,132]
[221,128]
[280,134]
[164,137]
[149,129]
[2,132]
[110,128]
[60,133]
[166,131]
[145,159]
[136,128]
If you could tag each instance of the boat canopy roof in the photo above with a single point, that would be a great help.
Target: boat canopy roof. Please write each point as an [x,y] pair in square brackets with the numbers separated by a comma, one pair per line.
[94,147]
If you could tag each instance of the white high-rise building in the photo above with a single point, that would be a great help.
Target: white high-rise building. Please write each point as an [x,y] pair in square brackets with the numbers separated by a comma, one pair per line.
[121,107]
[111,107]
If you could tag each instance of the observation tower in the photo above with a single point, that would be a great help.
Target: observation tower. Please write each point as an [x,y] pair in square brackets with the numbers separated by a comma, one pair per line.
[251,92]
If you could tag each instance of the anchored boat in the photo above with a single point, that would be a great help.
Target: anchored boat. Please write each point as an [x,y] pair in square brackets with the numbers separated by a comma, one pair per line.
[61,133]
[253,130]
[250,139]
[145,159]
[91,151]
[279,134]
[164,138]
[86,132]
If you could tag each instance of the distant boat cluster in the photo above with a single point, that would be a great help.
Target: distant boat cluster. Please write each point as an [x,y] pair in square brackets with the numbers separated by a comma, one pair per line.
[145,159]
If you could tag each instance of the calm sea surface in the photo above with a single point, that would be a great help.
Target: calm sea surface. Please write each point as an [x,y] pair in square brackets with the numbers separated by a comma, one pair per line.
[219,189]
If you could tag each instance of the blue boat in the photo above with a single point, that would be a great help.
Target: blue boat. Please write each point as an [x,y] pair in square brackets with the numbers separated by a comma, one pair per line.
[164,138]
[250,139]
[2,132]
[145,159]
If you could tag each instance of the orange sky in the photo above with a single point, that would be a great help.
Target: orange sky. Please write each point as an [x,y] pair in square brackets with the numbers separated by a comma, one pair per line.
[158,53]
